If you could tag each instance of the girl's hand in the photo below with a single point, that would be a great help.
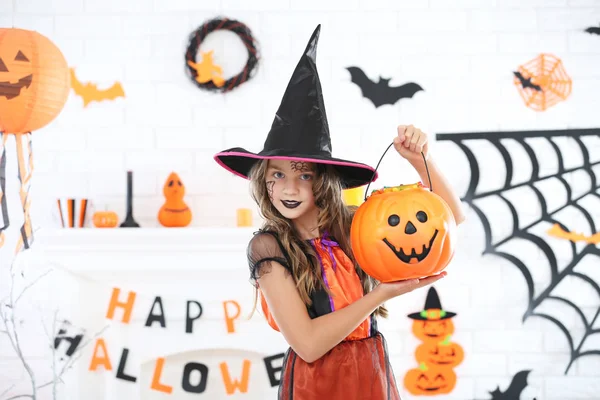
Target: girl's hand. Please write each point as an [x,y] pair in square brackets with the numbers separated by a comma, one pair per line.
[390,290]
[410,142]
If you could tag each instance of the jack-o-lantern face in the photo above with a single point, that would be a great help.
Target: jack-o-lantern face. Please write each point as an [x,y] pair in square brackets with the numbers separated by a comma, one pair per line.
[444,354]
[21,70]
[34,80]
[403,232]
[173,189]
[433,330]
[429,380]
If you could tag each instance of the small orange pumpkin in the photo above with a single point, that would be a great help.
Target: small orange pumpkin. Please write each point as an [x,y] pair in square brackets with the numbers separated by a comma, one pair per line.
[34,81]
[105,219]
[429,380]
[174,212]
[443,354]
[403,232]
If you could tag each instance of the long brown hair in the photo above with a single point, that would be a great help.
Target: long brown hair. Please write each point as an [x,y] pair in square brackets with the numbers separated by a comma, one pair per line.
[334,217]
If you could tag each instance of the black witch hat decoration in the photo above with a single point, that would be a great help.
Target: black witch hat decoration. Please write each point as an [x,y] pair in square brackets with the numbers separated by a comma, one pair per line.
[300,131]
[432,305]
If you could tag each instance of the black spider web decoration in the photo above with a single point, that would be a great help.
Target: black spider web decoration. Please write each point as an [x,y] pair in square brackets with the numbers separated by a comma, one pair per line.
[572,188]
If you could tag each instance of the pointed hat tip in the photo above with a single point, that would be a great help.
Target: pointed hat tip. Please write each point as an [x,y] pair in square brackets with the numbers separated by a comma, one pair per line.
[311,47]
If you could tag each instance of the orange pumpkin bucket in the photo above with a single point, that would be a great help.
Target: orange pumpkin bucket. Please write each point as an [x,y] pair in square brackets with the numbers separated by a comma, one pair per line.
[403,232]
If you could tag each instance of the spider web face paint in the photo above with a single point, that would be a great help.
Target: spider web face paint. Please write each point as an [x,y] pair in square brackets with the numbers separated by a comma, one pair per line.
[299,166]
[558,173]
[270,185]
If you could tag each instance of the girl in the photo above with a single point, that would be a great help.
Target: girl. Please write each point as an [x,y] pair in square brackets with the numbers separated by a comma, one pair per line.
[301,261]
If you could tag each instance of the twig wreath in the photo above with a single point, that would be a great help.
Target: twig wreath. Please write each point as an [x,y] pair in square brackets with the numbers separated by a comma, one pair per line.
[206,75]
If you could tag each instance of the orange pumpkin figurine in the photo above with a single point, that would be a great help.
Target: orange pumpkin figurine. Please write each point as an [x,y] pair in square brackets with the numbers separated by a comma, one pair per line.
[105,219]
[433,324]
[174,213]
[429,380]
[403,232]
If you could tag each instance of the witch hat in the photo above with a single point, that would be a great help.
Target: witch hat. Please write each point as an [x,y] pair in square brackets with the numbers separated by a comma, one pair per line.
[433,308]
[300,131]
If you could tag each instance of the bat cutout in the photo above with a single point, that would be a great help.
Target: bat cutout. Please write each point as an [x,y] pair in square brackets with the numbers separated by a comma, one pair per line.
[526,82]
[380,92]
[594,30]
[581,197]
[89,91]
[515,388]
[559,232]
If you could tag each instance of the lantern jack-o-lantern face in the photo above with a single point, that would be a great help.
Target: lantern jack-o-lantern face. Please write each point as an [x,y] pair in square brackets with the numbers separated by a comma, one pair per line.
[34,81]
[21,75]
[429,380]
[403,232]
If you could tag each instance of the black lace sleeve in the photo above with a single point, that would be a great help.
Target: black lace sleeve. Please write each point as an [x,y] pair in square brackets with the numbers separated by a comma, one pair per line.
[263,248]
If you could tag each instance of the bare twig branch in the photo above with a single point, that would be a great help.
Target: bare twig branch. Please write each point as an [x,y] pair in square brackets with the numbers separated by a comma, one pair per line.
[7,390]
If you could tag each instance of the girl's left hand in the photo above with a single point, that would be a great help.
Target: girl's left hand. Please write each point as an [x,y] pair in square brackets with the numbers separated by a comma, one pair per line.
[410,142]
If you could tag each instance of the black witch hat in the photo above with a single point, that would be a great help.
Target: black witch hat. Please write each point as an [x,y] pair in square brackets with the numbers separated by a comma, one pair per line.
[432,302]
[300,131]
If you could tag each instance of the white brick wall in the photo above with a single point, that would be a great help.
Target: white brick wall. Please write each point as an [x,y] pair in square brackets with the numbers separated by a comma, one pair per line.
[462,52]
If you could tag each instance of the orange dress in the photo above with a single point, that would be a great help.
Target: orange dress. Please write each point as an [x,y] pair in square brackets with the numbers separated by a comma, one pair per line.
[358,368]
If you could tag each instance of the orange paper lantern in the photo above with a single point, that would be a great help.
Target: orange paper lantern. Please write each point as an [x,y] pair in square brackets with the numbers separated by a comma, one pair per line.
[34,81]
[403,232]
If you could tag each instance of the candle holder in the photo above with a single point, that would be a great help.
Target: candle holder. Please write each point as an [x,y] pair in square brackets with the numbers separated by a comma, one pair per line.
[129,220]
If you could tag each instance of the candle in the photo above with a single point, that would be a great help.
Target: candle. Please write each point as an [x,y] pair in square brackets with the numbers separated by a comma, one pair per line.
[244,217]
[354,196]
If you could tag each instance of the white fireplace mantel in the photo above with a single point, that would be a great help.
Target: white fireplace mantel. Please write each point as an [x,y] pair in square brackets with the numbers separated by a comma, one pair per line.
[195,250]
[209,265]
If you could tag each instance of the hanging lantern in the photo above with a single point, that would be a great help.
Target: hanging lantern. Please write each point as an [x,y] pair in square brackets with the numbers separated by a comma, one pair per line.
[403,232]
[34,87]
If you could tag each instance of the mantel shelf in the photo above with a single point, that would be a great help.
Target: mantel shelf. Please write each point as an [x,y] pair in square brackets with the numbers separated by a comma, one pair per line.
[189,240]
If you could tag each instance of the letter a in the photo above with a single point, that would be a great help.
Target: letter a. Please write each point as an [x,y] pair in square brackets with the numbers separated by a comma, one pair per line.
[97,360]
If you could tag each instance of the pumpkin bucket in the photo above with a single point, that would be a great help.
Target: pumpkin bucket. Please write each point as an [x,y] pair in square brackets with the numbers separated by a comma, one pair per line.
[403,232]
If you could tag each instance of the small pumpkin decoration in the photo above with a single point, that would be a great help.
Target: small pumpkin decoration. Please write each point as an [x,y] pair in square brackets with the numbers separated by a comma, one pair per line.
[174,212]
[105,219]
[443,354]
[403,232]
[34,81]
[429,380]
[433,324]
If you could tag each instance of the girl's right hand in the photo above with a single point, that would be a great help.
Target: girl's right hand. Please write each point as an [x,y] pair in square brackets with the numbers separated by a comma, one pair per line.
[390,290]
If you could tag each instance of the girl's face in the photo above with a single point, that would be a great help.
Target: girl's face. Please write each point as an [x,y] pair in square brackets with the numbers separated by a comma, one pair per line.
[290,187]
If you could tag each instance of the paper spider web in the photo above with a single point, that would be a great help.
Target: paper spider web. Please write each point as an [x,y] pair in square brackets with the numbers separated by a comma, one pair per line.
[545,182]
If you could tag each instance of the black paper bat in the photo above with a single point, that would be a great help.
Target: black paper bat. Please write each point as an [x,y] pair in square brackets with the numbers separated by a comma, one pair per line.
[526,82]
[516,387]
[594,30]
[381,93]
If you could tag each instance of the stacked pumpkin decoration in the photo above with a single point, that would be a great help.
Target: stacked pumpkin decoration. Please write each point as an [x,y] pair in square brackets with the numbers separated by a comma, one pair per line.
[403,232]
[437,355]
[174,212]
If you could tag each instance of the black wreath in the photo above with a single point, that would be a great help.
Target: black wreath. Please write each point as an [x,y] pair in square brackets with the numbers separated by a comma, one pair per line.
[243,32]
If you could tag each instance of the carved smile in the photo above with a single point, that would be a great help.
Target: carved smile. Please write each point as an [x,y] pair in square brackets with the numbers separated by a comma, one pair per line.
[431,389]
[406,258]
[12,90]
